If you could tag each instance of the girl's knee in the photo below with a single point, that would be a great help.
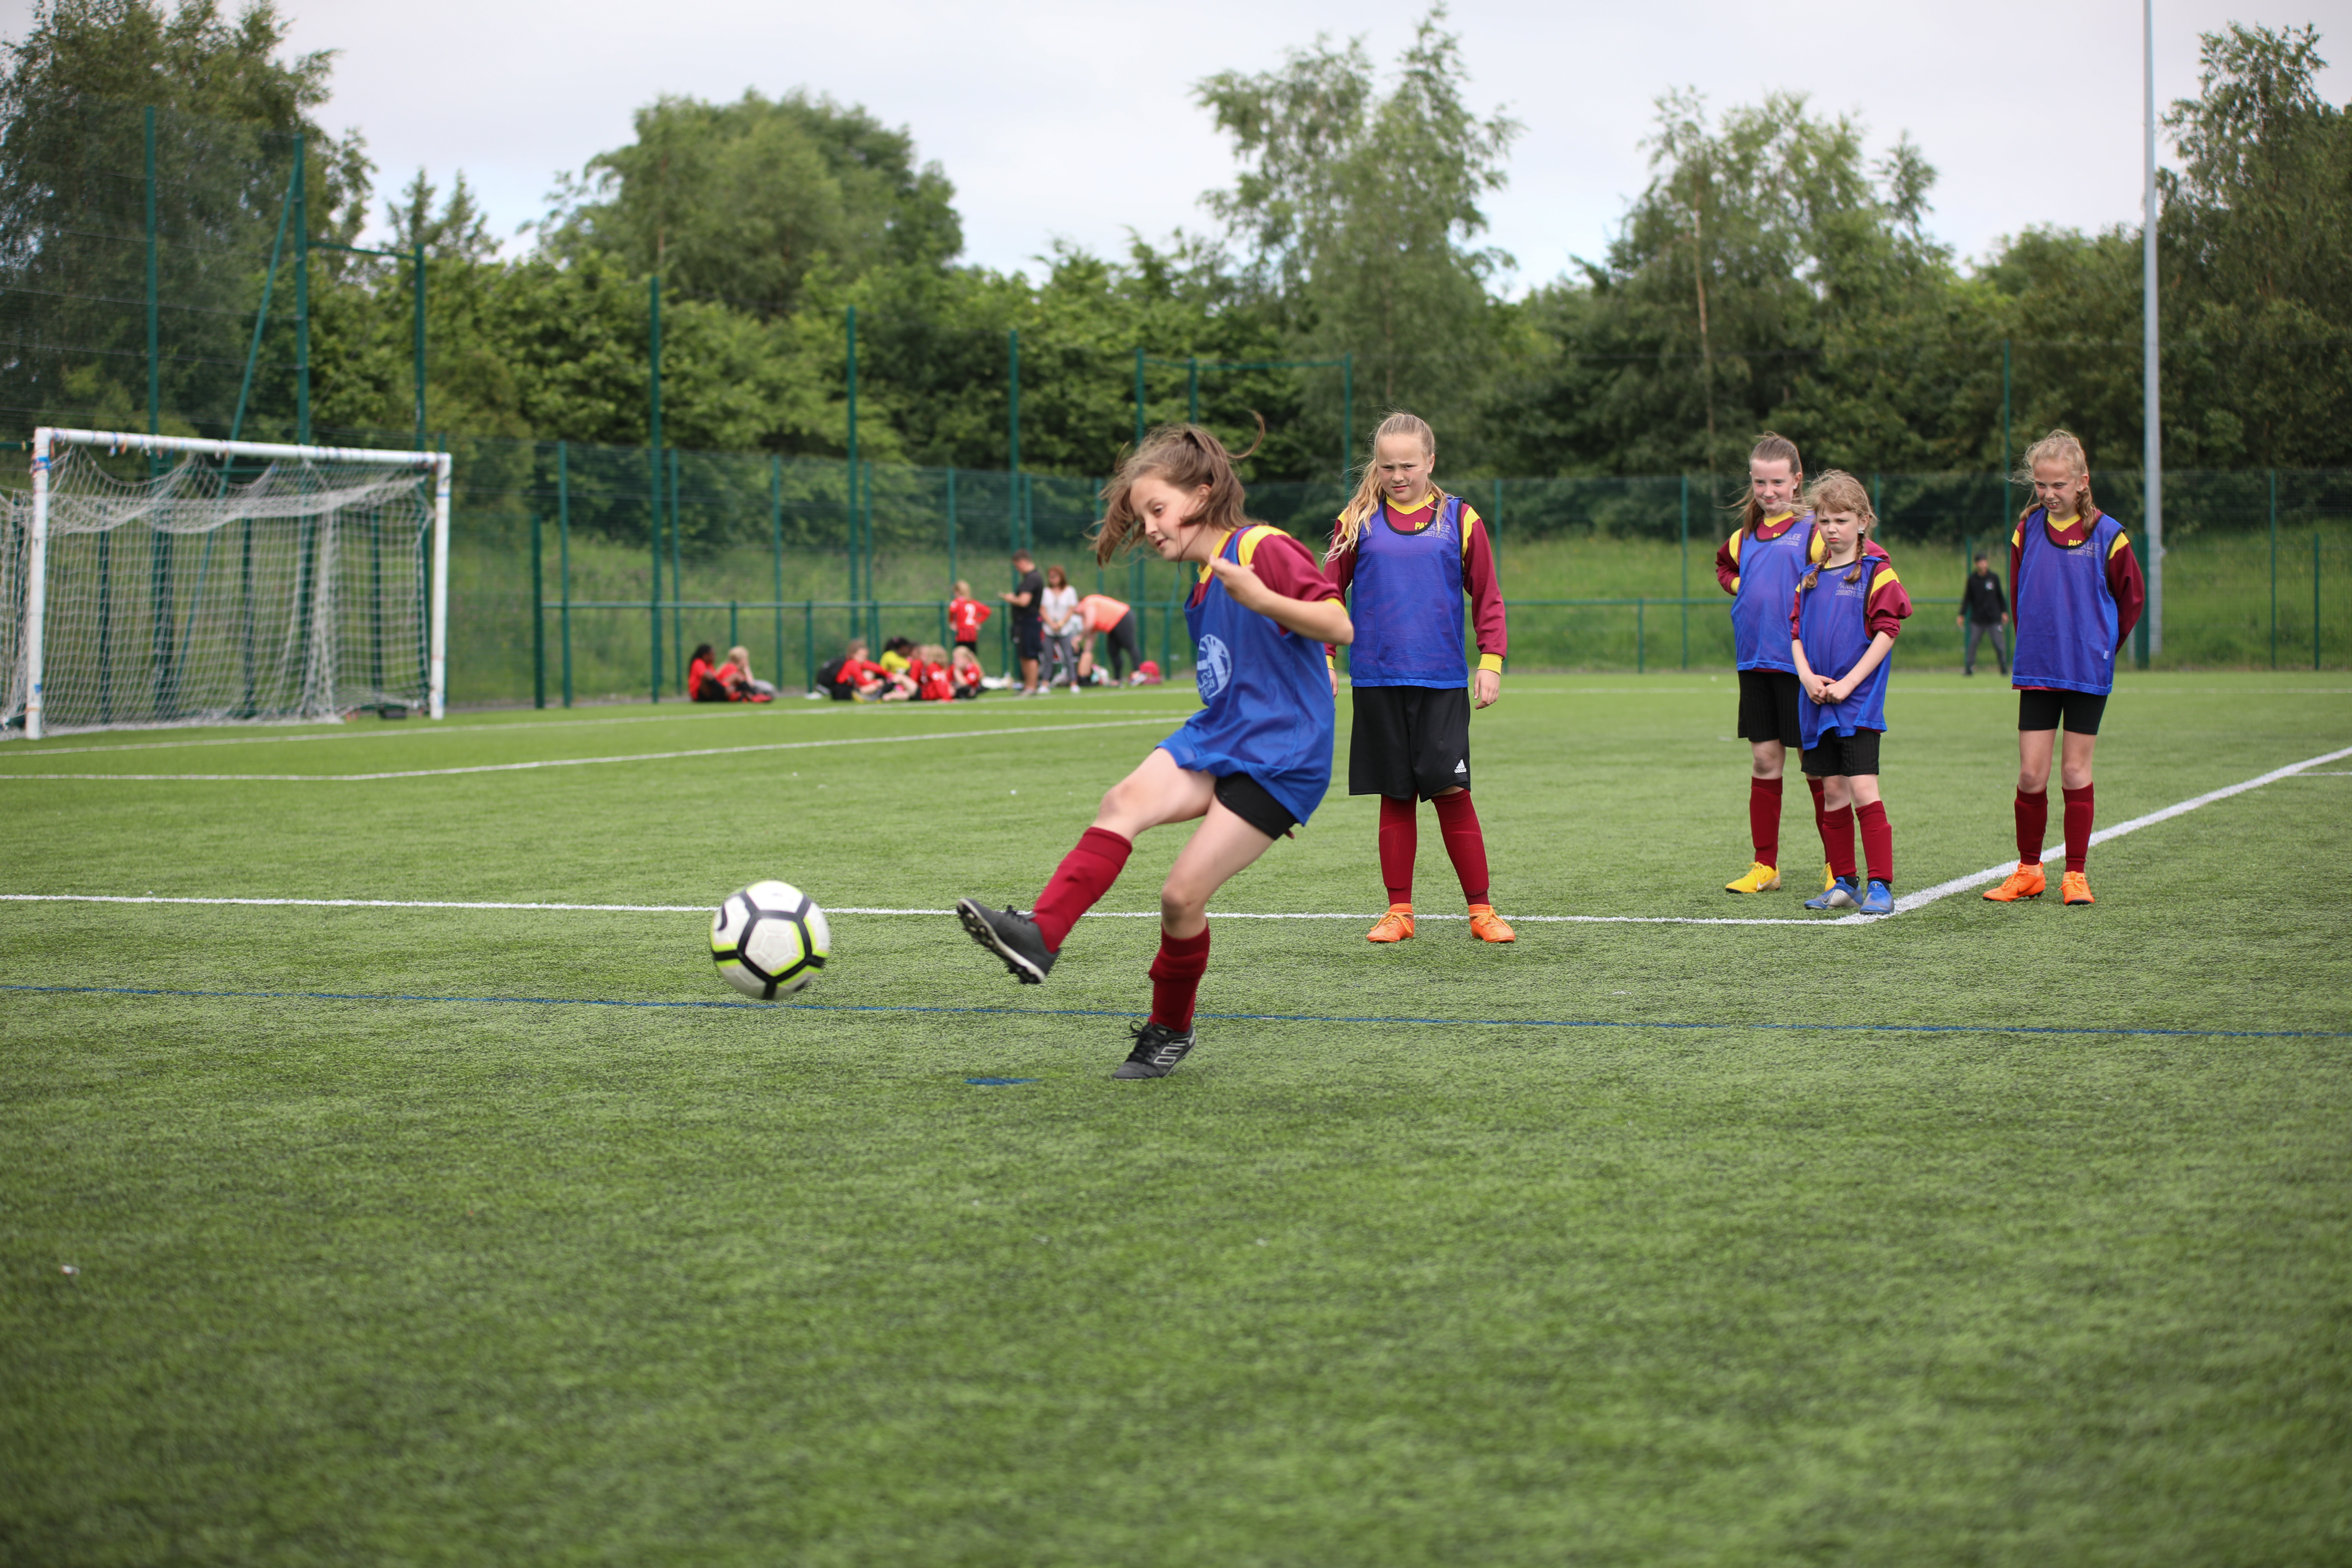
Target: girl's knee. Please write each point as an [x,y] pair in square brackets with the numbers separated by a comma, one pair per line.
[1179,900]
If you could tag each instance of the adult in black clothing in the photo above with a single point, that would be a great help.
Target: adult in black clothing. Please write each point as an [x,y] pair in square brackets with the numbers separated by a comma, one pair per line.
[1027,599]
[1984,608]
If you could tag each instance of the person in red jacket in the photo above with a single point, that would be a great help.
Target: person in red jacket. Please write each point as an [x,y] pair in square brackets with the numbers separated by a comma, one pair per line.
[706,681]
[965,615]
[853,677]
[963,670]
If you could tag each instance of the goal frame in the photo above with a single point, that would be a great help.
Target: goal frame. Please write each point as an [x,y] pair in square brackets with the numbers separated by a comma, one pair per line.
[47,439]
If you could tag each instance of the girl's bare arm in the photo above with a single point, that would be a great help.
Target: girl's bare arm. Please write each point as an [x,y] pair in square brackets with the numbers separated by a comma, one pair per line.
[1325,620]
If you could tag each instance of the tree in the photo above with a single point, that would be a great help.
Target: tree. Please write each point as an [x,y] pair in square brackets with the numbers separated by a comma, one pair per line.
[742,202]
[1357,212]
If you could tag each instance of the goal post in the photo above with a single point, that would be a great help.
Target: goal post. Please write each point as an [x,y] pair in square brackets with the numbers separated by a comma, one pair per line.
[317,586]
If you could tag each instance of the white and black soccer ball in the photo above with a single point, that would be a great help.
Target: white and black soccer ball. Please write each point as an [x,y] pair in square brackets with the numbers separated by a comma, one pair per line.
[768,939]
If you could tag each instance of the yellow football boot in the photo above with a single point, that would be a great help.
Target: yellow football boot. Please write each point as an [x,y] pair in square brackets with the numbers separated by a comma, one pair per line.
[2076,888]
[1758,878]
[1829,878]
[1487,926]
[2026,882]
[1394,926]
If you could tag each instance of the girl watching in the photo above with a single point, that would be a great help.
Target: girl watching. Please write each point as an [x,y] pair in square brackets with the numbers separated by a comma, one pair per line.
[1849,610]
[2076,593]
[1410,553]
[1251,765]
[1758,566]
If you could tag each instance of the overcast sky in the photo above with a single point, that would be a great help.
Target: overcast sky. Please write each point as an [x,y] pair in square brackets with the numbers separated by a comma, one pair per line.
[1062,120]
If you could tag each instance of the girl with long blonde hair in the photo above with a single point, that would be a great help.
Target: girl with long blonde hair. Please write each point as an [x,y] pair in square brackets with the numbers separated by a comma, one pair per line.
[1407,554]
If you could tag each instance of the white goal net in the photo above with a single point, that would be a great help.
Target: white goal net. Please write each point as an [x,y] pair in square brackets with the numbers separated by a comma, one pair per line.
[245,582]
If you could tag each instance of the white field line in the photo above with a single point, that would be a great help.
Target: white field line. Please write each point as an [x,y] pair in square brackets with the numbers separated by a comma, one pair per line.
[1902,906]
[425,730]
[594,762]
[2058,851]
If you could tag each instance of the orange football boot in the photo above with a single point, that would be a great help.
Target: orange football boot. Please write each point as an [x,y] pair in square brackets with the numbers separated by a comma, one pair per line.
[1487,926]
[1394,926]
[2026,882]
[2076,888]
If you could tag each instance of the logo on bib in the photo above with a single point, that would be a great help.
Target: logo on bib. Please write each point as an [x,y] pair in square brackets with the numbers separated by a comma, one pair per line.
[1216,666]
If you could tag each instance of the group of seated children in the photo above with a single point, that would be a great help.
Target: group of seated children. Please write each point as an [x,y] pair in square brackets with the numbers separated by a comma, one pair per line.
[907,672]
[729,682]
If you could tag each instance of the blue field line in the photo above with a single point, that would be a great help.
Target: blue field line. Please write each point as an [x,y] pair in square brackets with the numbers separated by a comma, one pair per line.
[1221,1017]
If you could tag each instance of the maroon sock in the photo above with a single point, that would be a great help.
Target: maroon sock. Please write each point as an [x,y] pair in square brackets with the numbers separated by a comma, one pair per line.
[1837,840]
[1764,819]
[1465,842]
[1399,843]
[2032,822]
[2078,828]
[1821,806]
[1877,841]
[1176,978]
[1084,876]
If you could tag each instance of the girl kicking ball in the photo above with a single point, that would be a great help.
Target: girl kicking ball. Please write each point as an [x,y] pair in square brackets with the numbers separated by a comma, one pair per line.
[1251,765]
[1759,567]
[1410,551]
[2076,591]
[1849,610]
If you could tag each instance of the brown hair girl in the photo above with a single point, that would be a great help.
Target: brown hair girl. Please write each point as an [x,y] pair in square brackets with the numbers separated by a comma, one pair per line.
[1769,448]
[1837,490]
[1187,457]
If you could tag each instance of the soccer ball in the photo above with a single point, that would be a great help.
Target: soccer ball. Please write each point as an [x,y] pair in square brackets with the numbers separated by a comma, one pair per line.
[768,939]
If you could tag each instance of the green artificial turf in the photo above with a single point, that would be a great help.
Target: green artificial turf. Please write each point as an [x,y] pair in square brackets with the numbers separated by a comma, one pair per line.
[466,1281]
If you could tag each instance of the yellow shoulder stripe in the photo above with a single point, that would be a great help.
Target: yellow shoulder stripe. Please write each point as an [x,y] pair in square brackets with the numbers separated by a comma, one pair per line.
[1816,551]
[1469,522]
[1734,545]
[1252,538]
[1885,575]
[2122,542]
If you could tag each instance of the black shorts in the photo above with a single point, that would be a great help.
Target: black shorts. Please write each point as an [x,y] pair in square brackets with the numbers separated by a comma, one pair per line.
[1843,755]
[1028,636]
[1409,740]
[1119,649]
[971,642]
[1768,707]
[2042,710]
[1247,799]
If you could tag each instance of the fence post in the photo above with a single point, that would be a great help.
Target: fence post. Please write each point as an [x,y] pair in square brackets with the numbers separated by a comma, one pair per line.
[538,623]
[417,334]
[154,321]
[1641,635]
[301,293]
[953,571]
[654,473]
[2315,598]
[872,594]
[734,635]
[677,578]
[849,503]
[2274,568]
[808,638]
[563,549]
[776,552]
[1686,565]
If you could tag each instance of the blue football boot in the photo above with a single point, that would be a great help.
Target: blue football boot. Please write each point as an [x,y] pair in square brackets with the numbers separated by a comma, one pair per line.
[1842,894]
[1879,901]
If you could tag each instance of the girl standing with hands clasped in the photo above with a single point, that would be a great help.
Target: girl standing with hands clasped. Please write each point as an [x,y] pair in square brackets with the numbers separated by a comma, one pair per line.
[2076,592]
[1410,553]
[1249,765]
[1759,567]
[1848,611]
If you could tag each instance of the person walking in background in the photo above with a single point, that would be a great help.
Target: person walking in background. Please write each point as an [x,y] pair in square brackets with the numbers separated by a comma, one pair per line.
[965,615]
[1112,619]
[1984,608]
[1027,599]
[1061,628]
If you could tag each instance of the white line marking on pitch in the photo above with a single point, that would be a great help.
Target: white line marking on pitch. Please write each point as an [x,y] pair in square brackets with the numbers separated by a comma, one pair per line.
[1902,906]
[594,762]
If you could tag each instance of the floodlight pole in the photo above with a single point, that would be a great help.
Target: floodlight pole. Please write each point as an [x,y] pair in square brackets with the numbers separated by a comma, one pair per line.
[36,583]
[2152,428]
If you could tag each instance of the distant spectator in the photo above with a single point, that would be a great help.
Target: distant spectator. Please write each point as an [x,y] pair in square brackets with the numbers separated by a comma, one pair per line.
[1984,610]
[704,681]
[852,677]
[738,671]
[1106,617]
[965,615]
[1026,598]
[1063,628]
[965,671]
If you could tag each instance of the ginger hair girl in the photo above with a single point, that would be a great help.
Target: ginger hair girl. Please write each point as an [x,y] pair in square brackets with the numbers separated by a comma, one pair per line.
[1249,765]
[2076,593]
[1407,554]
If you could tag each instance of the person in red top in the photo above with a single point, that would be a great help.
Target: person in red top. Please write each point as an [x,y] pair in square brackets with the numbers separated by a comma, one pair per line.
[2076,592]
[965,615]
[1107,617]
[853,677]
[706,681]
[934,681]
[963,670]
[1411,553]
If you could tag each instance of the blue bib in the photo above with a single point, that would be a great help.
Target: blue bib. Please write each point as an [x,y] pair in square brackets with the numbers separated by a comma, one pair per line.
[1406,601]
[1768,570]
[2066,616]
[1834,621]
[1265,696]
